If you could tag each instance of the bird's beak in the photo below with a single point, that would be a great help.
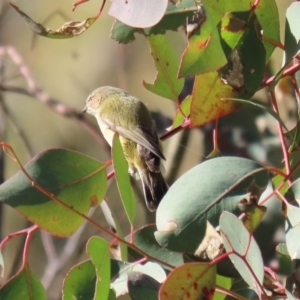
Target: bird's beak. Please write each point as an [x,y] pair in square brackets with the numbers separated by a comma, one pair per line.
[84,109]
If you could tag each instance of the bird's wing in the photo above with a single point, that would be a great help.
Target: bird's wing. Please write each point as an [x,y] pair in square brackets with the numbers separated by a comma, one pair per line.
[140,135]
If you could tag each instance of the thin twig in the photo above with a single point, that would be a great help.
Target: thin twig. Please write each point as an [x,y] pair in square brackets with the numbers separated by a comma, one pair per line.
[18,129]
[35,91]
[281,134]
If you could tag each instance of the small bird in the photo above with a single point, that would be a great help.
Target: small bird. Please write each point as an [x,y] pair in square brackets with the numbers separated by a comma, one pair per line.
[118,111]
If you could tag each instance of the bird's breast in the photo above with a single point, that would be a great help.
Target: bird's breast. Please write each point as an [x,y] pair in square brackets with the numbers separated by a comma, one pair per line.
[108,134]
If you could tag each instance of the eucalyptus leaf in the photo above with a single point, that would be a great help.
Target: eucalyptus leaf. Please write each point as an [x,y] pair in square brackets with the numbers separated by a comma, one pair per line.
[202,194]
[62,185]
[25,285]
[246,255]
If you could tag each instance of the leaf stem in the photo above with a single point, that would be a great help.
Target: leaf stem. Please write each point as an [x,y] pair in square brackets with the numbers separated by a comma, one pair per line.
[288,72]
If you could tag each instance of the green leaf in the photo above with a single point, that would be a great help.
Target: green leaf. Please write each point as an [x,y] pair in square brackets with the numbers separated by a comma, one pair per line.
[204,52]
[268,18]
[68,30]
[189,281]
[80,282]
[166,62]
[144,240]
[244,71]
[185,106]
[123,181]
[98,250]
[292,31]
[219,9]
[174,18]
[77,180]
[24,285]
[205,192]
[122,33]
[206,105]
[224,283]
[246,255]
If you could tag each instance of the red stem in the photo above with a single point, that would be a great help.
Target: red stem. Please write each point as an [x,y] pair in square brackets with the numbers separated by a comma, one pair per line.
[30,232]
[215,136]
[281,135]
[170,133]
[288,72]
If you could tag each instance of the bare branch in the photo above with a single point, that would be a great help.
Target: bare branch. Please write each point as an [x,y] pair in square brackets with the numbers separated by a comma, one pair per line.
[35,91]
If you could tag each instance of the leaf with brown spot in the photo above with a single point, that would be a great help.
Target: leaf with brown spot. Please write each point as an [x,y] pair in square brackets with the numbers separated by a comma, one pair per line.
[68,30]
[189,281]
[206,103]
[204,52]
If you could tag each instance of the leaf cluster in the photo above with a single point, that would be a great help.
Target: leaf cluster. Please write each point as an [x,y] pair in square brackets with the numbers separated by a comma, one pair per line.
[203,244]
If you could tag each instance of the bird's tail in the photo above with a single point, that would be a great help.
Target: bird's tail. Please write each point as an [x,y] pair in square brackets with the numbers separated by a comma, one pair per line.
[154,187]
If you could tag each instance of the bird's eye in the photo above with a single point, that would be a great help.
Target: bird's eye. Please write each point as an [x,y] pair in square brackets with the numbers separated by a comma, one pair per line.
[90,99]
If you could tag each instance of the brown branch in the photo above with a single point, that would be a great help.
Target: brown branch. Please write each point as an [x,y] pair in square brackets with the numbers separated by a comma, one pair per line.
[33,90]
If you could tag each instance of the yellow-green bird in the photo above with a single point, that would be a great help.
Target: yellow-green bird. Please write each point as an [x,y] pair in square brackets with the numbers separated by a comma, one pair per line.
[118,111]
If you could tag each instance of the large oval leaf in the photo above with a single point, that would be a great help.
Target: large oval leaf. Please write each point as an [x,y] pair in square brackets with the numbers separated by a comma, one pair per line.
[141,14]
[202,194]
[73,178]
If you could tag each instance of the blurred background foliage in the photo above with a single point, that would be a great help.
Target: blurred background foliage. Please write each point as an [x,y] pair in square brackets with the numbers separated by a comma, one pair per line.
[68,70]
